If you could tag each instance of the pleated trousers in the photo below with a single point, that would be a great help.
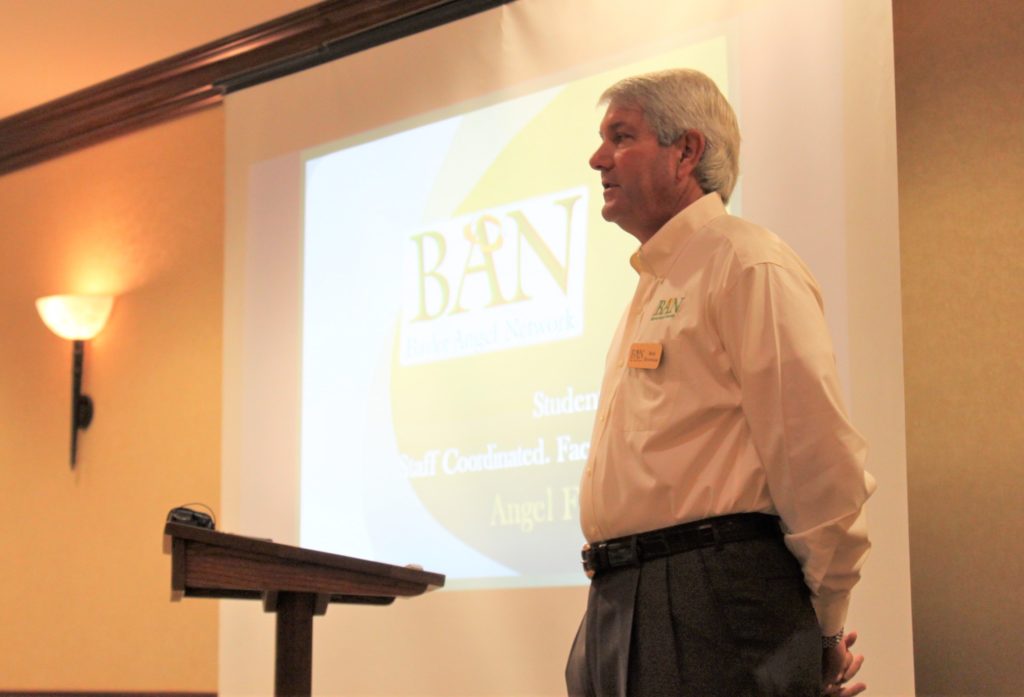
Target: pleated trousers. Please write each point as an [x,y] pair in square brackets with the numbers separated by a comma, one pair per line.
[728,621]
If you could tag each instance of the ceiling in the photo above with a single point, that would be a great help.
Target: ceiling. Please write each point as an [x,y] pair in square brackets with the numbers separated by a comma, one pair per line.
[50,48]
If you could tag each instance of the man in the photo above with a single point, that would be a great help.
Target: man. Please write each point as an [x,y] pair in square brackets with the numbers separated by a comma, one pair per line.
[723,497]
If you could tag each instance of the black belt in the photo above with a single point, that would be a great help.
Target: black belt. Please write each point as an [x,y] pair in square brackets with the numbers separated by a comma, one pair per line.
[710,532]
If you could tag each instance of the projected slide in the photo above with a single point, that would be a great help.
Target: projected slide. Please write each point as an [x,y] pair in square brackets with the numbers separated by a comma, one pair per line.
[460,290]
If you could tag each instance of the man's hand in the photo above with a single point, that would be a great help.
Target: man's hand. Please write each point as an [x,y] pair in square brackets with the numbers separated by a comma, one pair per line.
[838,666]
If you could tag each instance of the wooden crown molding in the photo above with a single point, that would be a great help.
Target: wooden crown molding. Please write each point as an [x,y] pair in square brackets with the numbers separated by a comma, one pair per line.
[201,77]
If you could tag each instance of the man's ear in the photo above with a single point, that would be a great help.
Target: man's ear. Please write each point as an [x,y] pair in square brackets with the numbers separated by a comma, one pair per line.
[691,146]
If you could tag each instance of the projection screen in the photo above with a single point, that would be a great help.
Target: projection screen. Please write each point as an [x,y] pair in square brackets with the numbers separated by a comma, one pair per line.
[420,291]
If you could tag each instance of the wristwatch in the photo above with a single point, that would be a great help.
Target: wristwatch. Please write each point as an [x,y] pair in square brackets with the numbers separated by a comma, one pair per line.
[830,642]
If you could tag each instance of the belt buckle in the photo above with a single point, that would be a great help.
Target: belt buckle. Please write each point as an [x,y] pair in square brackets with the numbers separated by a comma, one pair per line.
[589,559]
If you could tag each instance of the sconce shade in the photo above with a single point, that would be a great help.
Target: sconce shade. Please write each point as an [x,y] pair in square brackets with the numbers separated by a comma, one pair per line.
[75,317]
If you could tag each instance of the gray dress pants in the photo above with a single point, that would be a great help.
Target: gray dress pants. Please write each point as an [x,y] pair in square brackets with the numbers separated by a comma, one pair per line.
[727,621]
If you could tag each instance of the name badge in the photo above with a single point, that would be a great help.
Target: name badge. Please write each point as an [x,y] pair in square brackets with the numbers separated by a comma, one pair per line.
[645,356]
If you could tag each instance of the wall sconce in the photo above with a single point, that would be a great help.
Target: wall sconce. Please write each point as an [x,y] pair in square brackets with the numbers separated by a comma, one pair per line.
[77,318]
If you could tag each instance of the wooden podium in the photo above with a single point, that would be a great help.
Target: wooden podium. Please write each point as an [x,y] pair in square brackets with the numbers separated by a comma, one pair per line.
[293,582]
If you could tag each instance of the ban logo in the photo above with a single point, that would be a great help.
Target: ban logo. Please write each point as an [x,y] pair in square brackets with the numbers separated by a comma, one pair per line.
[496,279]
[667,308]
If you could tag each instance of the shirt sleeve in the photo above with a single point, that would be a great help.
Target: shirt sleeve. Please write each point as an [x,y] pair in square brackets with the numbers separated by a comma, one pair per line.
[773,330]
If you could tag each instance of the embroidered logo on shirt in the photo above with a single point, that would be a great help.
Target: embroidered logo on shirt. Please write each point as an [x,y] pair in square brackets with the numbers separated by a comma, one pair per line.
[667,308]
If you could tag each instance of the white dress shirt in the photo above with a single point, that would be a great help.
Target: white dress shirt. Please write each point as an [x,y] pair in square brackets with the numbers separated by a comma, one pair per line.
[742,412]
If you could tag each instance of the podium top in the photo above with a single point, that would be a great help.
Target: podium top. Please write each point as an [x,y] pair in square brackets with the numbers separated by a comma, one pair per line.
[209,563]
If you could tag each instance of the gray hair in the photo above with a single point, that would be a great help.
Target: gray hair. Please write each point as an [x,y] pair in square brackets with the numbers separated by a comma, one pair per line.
[675,101]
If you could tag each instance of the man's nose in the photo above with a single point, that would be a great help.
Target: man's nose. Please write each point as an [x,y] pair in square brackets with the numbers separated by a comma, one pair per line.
[600,160]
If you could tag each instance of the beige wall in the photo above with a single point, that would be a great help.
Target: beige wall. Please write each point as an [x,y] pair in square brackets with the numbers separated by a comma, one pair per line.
[960,121]
[85,587]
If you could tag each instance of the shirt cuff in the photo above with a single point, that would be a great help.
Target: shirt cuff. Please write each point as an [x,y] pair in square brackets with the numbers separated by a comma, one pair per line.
[831,611]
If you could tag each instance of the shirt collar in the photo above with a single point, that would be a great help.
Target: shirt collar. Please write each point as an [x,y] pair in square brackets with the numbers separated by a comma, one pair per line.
[659,253]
